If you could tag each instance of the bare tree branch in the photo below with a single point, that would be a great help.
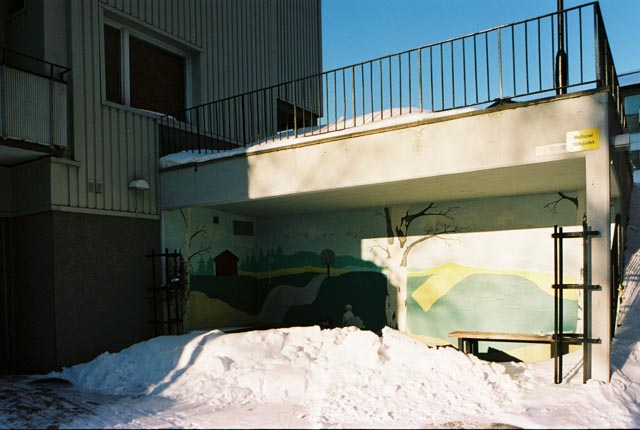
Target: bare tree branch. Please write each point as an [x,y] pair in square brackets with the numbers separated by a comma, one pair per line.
[387,215]
[439,231]
[553,205]
[200,251]
[384,248]
[200,230]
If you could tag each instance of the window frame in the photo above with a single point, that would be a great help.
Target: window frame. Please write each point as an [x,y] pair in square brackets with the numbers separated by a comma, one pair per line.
[126,32]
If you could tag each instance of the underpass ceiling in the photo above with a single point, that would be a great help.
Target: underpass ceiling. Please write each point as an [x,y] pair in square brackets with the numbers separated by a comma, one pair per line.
[563,175]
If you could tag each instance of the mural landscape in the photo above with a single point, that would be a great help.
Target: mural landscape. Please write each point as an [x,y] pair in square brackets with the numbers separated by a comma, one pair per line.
[424,269]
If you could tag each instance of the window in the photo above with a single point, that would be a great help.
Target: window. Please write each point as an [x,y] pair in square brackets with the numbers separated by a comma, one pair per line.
[632,111]
[156,77]
[286,120]
[113,64]
[142,74]
[15,6]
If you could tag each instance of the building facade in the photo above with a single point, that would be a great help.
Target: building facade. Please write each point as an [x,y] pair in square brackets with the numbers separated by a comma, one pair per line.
[83,84]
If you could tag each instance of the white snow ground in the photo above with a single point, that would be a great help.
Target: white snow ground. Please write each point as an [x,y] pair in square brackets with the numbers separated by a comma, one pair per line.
[304,377]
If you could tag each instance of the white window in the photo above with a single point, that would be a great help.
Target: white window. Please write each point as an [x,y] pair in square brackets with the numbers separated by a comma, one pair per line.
[143,73]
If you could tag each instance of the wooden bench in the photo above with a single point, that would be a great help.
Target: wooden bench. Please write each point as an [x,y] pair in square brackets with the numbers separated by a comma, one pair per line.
[468,340]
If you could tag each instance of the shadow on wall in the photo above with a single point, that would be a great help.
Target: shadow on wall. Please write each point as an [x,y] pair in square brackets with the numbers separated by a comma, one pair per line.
[295,292]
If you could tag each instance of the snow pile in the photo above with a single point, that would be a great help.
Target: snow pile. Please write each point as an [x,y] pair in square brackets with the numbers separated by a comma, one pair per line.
[307,377]
[343,375]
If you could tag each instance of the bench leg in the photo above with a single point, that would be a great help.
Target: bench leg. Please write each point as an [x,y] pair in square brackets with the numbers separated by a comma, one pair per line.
[474,347]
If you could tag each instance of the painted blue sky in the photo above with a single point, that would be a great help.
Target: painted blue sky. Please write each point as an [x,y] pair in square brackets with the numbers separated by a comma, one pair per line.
[358,30]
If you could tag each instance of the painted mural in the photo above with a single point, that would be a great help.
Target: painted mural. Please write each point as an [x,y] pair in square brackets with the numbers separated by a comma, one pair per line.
[427,269]
[488,281]
[273,289]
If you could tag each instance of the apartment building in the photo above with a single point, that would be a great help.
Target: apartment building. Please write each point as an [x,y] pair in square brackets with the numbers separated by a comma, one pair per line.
[82,85]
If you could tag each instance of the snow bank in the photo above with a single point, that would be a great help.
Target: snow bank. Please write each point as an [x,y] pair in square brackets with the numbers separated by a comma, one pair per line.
[307,377]
[344,374]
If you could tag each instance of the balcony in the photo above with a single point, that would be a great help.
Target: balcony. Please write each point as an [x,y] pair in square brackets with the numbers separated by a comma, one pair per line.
[544,57]
[33,108]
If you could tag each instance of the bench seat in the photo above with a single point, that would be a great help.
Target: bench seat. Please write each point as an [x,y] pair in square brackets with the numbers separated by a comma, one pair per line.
[468,340]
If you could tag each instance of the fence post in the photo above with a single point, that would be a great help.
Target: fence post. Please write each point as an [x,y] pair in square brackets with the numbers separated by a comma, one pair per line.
[599,46]
[500,61]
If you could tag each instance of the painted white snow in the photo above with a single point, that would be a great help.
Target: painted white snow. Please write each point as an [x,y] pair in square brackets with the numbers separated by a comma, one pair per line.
[340,127]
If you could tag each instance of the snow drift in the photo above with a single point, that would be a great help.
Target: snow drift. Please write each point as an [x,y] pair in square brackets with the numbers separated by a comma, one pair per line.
[344,372]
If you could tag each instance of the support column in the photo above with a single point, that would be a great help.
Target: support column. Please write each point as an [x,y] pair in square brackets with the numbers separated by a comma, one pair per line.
[598,195]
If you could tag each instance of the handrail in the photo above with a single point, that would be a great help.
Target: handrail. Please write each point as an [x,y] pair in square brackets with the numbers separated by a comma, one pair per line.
[511,62]
[52,67]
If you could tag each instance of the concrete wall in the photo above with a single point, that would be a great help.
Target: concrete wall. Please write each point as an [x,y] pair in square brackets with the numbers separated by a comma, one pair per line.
[78,287]
[34,324]
[101,277]
[7,308]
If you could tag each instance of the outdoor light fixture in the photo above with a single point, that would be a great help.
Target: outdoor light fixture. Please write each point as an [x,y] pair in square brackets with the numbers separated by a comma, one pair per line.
[139,184]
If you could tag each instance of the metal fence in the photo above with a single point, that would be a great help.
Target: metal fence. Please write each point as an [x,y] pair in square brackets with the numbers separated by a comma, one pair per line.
[560,52]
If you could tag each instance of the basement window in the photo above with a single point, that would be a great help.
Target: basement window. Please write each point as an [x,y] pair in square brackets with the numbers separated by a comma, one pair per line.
[143,74]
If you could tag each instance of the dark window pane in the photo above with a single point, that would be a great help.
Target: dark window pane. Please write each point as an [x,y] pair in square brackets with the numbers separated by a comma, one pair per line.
[286,121]
[15,6]
[112,64]
[243,228]
[157,78]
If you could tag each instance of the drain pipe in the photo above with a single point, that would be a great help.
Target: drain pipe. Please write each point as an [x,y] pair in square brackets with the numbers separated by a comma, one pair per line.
[562,64]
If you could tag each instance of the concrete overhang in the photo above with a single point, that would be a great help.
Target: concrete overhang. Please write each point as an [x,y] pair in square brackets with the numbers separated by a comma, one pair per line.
[562,175]
[519,150]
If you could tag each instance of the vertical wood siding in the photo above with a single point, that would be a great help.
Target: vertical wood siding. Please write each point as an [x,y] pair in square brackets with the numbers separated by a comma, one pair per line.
[237,46]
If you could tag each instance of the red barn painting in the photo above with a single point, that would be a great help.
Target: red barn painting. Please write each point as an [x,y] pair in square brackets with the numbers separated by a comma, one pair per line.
[226,263]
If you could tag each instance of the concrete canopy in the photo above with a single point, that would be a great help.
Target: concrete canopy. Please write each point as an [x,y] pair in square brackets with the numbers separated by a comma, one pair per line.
[564,175]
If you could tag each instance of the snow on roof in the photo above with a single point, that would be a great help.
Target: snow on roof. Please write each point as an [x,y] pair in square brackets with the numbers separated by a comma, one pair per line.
[340,127]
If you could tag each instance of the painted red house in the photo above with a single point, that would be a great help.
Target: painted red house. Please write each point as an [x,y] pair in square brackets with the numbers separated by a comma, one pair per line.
[226,263]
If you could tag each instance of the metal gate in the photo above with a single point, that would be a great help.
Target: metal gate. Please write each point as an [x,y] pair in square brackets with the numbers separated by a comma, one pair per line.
[167,294]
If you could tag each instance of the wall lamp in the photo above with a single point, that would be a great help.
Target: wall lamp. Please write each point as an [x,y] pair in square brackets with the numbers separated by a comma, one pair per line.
[139,184]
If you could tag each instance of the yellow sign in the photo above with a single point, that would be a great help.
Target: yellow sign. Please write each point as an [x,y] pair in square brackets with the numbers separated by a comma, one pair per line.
[583,140]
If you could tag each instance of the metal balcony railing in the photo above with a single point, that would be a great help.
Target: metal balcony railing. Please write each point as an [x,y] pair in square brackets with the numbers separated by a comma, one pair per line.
[33,100]
[522,61]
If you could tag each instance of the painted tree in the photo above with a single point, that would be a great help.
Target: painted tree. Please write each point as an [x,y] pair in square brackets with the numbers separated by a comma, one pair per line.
[553,205]
[400,243]
[196,242]
[401,239]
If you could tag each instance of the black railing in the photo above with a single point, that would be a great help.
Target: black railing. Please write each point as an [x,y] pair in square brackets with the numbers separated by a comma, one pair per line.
[514,62]
[33,65]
